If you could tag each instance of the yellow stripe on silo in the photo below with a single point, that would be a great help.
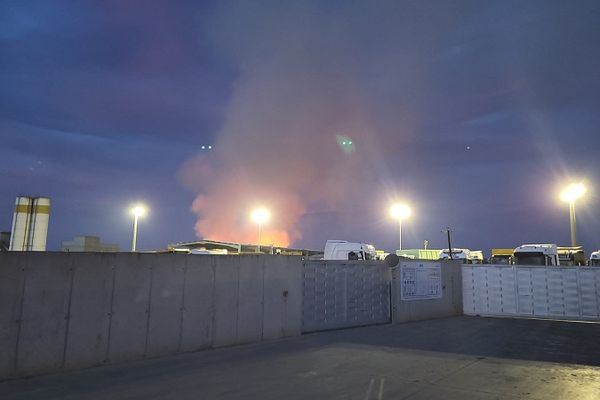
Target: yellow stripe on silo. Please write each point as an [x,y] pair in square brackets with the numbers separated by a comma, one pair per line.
[22,208]
[42,209]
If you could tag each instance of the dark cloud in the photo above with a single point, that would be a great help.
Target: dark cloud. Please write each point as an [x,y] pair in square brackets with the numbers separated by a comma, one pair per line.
[472,110]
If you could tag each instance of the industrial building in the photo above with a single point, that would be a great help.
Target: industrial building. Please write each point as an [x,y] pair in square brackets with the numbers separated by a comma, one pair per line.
[4,241]
[30,224]
[88,244]
[228,248]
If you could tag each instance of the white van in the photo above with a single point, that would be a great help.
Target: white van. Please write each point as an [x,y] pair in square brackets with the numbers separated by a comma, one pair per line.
[344,250]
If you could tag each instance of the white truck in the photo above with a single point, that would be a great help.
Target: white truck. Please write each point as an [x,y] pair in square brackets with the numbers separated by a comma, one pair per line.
[536,254]
[457,254]
[465,255]
[595,259]
[344,250]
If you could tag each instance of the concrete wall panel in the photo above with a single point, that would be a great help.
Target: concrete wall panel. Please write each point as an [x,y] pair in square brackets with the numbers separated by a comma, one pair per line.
[80,310]
[89,321]
[199,306]
[250,303]
[293,284]
[166,305]
[45,312]
[129,322]
[416,310]
[282,297]
[226,299]
[12,281]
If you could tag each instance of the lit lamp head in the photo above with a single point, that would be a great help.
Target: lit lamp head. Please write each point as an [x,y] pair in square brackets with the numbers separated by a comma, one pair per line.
[400,211]
[573,192]
[260,215]
[138,210]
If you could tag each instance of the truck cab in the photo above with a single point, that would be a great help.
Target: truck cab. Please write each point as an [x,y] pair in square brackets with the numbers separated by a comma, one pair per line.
[573,256]
[344,250]
[457,254]
[536,254]
[475,257]
[502,256]
[595,259]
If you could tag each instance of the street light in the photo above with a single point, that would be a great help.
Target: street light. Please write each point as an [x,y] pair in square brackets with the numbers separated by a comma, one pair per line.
[137,211]
[400,212]
[569,195]
[260,216]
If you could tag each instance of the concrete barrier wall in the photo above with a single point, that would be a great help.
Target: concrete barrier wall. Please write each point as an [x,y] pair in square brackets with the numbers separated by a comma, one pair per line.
[449,304]
[74,310]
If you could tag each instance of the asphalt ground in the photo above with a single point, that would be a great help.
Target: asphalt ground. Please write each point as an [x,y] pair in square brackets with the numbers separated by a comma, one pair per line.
[453,358]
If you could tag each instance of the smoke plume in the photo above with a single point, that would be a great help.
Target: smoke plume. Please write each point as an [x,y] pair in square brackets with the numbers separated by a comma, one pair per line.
[300,134]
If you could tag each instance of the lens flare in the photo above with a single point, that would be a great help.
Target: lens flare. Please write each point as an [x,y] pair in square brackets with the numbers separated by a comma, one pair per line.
[260,215]
[573,192]
[139,210]
[400,211]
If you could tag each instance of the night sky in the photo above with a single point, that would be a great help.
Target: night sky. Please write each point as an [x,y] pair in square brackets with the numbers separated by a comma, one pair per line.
[475,113]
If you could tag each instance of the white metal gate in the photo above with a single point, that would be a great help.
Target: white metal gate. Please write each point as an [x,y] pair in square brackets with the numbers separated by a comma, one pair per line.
[551,292]
[343,294]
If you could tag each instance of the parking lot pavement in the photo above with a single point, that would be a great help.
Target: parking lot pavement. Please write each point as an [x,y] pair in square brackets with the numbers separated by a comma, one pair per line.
[453,358]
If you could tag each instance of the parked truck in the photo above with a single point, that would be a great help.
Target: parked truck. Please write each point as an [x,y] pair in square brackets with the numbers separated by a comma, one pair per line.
[595,259]
[344,250]
[502,256]
[571,256]
[475,257]
[457,254]
[536,254]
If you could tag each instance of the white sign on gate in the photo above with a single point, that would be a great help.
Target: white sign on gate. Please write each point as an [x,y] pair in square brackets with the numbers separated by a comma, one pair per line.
[422,281]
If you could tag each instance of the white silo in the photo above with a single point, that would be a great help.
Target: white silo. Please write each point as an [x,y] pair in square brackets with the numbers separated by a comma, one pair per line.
[19,236]
[30,224]
[38,233]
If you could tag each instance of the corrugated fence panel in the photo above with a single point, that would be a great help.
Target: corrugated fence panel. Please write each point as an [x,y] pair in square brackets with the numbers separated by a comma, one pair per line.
[539,286]
[509,290]
[547,292]
[571,291]
[468,285]
[480,292]
[524,291]
[341,294]
[494,288]
[556,298]
[590,293]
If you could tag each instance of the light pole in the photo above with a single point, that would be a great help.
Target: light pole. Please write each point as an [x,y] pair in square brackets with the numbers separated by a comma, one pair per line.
[260,216]
[137,211]
[570,195]
[400,212]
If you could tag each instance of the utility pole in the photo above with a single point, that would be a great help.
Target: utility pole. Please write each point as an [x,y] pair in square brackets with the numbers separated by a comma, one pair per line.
[572,223]
[448,231]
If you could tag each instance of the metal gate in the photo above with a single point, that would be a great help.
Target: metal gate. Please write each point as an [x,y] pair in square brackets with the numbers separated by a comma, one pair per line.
[342,294]
[546,292]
